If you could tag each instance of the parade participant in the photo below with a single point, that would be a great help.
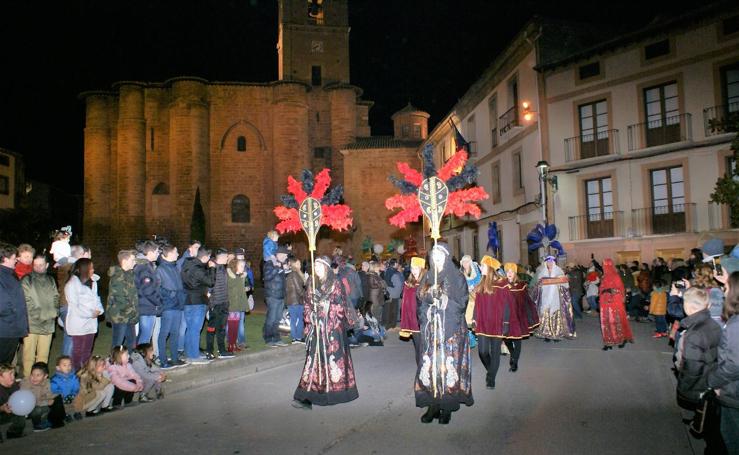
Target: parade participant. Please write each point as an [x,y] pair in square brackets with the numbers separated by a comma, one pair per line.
[553,302]
[471,272]
[613,321]
[444,380]
[528,317]
[497,321]
[328,373]
[409,308]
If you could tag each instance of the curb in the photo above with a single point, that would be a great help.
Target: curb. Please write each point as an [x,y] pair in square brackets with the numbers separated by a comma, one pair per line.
[218,371]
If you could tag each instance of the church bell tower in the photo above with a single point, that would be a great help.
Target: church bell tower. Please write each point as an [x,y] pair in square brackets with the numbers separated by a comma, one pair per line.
[313,41]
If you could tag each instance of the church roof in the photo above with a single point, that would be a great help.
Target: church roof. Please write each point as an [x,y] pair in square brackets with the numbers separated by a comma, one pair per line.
[408,109]
[382,142]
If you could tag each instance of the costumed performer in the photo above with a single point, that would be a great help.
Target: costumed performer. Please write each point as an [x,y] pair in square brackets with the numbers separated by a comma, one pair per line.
[444,380]
[614,324]
[409,327]
[553,302]
[328,373]
[528,317]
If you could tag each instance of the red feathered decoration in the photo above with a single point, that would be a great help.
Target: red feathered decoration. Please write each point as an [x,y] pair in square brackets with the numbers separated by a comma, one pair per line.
[335,216]
[453,166]
[411,175]
[460,202]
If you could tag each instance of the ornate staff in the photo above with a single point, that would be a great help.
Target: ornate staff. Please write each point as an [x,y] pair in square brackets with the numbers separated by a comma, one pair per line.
[310,220]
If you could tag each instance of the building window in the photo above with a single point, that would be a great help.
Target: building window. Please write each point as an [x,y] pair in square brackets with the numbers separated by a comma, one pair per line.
[730,25]
[4,160]
[663,114]
[417,131]
[161,189]
[315,75]
[599,202]
[731,167]
[657,49]
[405,131]
[517,172]
[151,139]
[589,70]
[458,246]
[472,135]
[668,200]
[495,182]
[513,92]
[493,111]
[475,246]
[593,129]
[4,184]
[241,144]
[321,152]
[240,209]
[730,87]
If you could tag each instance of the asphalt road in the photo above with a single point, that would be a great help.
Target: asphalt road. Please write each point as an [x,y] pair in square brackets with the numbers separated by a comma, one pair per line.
[567,398]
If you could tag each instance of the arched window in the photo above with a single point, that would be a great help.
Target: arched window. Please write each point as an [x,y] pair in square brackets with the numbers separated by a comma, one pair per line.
[241,144]
[240,209]
[160,189]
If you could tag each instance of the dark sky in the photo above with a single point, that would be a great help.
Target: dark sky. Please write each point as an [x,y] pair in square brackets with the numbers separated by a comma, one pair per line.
[426,51]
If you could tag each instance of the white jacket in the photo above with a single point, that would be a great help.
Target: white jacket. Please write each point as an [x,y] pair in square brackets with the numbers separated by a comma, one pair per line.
[82,303]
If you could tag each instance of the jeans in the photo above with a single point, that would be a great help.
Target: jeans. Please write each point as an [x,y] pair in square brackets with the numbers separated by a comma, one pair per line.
[67,342]
[155,335]
[661,324]
[271,332]
[576,304]
[730,429]
[124,331]
[216,330]
[170,327]
[593,302]
[296,321]
[194,315]
[146,328]
[181,337]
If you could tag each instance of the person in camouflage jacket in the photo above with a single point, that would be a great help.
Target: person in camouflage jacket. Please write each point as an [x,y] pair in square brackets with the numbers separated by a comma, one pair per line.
[123,300]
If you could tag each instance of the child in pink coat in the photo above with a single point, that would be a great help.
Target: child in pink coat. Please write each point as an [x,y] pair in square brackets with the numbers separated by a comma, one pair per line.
[124,378]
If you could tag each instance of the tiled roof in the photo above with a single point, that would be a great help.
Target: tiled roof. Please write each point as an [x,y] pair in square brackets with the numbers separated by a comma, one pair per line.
[382,142]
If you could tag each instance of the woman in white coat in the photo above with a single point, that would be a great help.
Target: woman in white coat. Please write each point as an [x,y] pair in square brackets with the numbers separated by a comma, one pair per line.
[84,307]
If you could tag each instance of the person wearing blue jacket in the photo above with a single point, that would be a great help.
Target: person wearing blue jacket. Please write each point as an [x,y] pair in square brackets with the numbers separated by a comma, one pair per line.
[173,297]
[147,286]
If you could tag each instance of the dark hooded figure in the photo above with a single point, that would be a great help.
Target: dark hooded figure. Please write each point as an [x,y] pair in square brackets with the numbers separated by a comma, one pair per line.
[443,380]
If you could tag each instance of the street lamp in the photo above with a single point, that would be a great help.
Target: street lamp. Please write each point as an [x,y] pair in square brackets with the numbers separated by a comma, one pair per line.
[542,167]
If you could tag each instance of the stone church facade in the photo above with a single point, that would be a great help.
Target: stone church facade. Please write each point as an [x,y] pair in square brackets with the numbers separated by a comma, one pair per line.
[151,146]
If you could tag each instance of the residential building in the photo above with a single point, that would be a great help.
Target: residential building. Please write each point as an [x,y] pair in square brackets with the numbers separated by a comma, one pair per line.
[12,179]
[635,138]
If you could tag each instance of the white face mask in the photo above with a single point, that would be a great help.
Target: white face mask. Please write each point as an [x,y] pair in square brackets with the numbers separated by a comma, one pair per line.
[439,258]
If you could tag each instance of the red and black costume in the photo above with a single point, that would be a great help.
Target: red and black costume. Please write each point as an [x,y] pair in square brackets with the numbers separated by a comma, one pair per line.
[409,327]
[613,321]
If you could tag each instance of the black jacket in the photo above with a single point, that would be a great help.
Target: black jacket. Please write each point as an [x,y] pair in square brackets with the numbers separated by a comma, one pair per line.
[148,284]
[196,279]
[274,281]
[699,343]
[725,374]
[13,312]
[219,293]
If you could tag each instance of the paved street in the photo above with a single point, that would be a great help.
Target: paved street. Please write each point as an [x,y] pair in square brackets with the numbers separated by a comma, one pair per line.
[567,398]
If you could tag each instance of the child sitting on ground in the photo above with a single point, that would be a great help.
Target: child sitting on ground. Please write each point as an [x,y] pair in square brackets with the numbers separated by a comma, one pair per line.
[658,308]
[49,410]
[96,391]
[269,246]
[8,386]
[67,385]
[151,375]
[124,378]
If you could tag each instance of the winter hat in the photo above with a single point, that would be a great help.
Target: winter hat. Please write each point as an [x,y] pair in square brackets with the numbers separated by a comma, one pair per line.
[713,248]
[731,261]
[418,262]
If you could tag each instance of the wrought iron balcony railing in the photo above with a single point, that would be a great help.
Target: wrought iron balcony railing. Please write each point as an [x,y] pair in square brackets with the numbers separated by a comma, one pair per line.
[721,119]
[597,225]
[666,130]
[665,219]
[592,145]
[508,120]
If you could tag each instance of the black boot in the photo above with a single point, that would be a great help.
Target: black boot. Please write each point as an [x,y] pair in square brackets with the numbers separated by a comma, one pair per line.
[514,366]
[445,417]
[302,404]
[432,412]
[489,383]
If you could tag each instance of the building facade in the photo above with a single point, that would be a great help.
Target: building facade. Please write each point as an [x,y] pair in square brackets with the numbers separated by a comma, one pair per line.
[12,179]
[151,146]
[634,140]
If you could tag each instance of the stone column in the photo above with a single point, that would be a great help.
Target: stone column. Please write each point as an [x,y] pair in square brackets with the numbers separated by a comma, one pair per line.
[290,151]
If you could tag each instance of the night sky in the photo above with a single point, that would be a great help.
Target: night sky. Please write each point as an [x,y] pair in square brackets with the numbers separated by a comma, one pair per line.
[428,52]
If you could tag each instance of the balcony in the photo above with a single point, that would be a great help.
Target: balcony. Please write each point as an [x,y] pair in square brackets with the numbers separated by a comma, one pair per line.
[666,219]
[592,145]
[596,225]
[508,120]
[668,130]
[720,119]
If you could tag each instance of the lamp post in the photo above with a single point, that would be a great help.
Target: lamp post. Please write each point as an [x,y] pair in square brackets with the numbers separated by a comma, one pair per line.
[542,168]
